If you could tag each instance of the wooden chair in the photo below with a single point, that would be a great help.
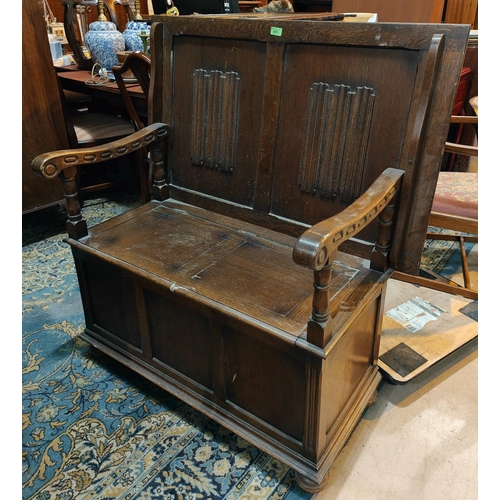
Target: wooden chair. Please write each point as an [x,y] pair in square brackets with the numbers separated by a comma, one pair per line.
[297,177]
[76,100]
[457,128]
[88,129]
[139,65]
[76,23]
[454,208]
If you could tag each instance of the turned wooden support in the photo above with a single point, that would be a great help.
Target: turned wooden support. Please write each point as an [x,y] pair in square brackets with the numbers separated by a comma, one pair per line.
[160,189]
[321,297]
[64,164]
[379,260]
[319,329]
[76,224]
[317,247]
[137,5]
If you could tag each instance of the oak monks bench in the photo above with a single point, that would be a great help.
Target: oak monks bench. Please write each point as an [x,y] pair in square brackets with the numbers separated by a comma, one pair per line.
[294,164]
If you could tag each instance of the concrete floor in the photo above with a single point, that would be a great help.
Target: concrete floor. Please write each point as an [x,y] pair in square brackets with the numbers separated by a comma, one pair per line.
[418,442]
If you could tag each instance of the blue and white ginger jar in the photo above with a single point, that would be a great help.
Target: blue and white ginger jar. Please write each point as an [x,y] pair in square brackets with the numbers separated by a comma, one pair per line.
[104,41]
[131,34]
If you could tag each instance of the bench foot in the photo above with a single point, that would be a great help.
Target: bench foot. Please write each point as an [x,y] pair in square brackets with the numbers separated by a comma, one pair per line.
[373,399]
[94,352]
[307,484]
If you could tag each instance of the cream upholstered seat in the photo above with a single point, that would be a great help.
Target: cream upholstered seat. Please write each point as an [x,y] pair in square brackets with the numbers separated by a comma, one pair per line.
[455,202]
[455,208]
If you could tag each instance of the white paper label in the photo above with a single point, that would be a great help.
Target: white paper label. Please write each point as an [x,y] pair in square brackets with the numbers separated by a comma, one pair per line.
[415,313]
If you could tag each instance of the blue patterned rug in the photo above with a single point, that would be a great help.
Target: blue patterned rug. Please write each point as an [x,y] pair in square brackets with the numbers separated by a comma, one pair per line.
[443,257]
[92,429]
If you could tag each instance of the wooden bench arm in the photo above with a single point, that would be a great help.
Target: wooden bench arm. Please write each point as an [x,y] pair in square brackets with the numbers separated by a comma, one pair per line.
[315,246]
[64,164]
[50,165]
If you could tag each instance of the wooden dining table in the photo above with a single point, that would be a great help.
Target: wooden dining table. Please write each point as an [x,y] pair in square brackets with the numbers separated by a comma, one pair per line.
[104,96]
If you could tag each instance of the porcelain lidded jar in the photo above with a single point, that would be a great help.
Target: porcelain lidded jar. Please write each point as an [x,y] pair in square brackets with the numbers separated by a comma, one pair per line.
[104,41]
[131,34]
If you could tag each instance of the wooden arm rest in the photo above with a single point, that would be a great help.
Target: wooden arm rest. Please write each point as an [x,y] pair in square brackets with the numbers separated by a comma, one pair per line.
[50,165]
[464,119]
[317,244]
[461,149]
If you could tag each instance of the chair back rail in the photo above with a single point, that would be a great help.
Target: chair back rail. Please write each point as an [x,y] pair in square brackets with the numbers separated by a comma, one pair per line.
[140,66]
[72,28]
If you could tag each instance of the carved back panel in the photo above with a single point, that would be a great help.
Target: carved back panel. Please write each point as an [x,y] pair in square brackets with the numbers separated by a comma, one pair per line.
[285,122]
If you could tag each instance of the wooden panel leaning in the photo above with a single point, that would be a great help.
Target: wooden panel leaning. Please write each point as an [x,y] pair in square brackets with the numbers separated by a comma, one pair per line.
[302,160]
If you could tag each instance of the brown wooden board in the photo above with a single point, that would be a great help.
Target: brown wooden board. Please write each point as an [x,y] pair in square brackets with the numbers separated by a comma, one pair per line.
[405,354]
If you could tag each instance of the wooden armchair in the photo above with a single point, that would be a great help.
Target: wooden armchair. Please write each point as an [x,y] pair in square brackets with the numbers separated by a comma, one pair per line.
[139,64]
[294,164]
[87,129]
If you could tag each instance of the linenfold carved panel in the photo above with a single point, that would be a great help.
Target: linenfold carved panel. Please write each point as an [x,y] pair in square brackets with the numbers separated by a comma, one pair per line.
[214,126]
[331,164]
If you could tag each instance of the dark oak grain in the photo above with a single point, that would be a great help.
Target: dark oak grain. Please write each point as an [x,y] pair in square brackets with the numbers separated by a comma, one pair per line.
[229,289]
